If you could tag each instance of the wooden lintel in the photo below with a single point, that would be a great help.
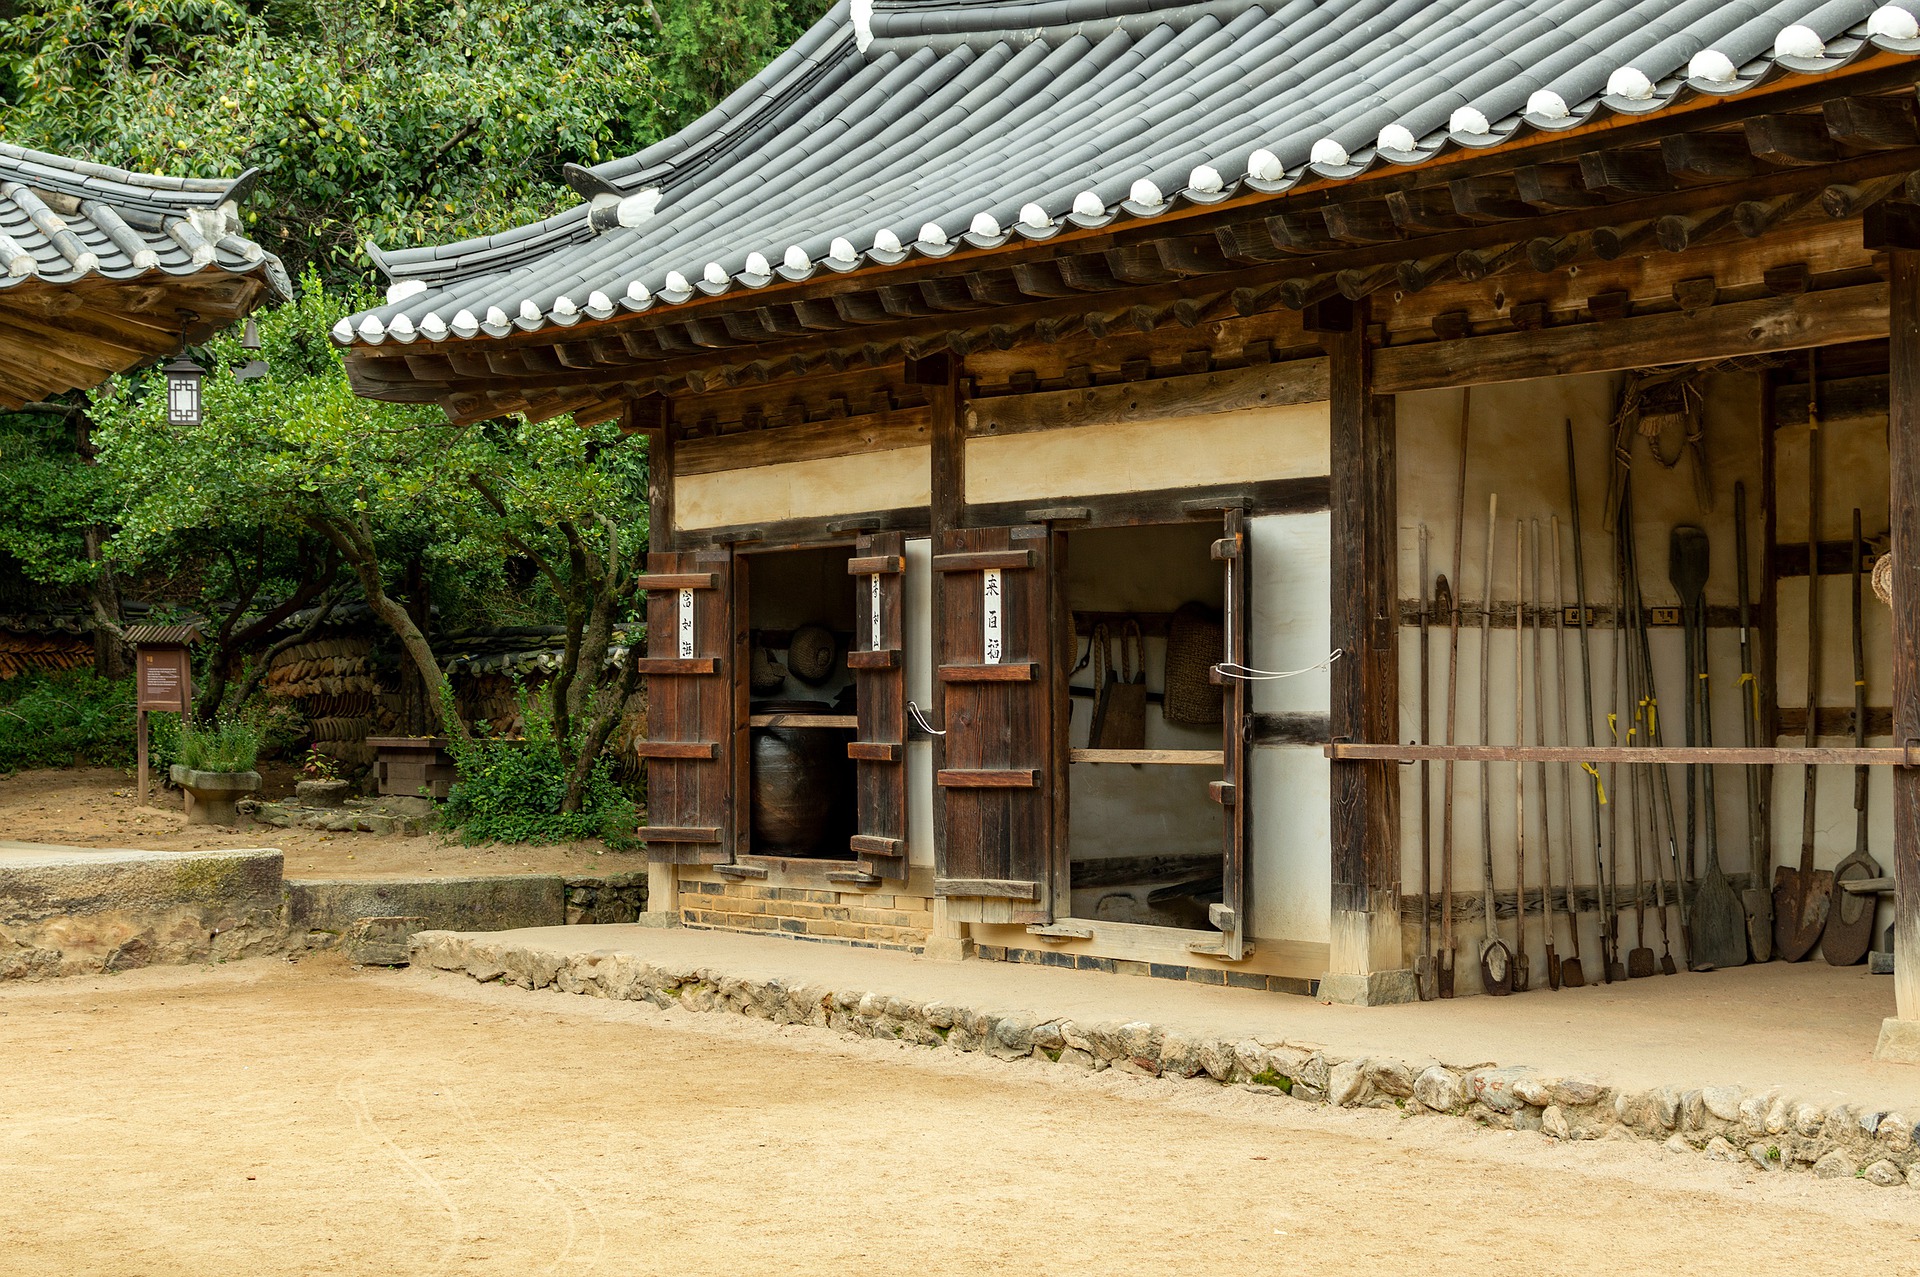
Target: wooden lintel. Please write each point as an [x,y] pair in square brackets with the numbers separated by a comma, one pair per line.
[661,833]
[1794,322]
[983,560]
[987,778]
[1717,755]
[678,581]
[1227,390]
[1000,887]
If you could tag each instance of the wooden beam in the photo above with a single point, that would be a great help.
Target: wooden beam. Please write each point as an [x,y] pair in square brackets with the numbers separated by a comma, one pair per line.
[1228,390]
[1717,755]
[1794,322]
[1903,450]
[846,436]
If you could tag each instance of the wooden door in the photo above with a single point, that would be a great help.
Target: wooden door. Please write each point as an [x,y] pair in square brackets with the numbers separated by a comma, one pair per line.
[997,769]
[878,662]
[690,711]
[1236,730]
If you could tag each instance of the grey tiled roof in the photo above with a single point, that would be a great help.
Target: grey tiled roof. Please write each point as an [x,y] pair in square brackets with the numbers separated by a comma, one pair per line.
[897,128]
[65,220]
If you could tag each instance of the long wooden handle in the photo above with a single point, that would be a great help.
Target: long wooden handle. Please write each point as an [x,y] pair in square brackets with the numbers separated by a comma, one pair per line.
[1810,793]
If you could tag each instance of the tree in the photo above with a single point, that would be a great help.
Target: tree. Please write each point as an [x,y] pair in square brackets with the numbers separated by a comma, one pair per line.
[386,487]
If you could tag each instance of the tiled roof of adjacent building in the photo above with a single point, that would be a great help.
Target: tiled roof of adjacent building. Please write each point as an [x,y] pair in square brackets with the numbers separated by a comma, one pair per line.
[80,236]
[903,128]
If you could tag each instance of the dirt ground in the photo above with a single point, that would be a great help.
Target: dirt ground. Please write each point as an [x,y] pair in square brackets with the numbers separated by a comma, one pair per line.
[96,807]
[267,1118]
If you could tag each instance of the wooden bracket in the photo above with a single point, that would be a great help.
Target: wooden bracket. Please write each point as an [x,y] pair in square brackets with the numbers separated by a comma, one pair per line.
[672,665]
[703,750]
[987,778]
[877,565]
[867,751]
[1891,224]
[741,871]
[1011,672]
[666,833]
[886,658]
[982,560]
[1061,932]
[678,581]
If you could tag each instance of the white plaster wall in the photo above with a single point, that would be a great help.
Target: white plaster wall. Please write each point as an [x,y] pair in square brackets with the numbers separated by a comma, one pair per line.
[824,486]
[1288,833]
[1289,441]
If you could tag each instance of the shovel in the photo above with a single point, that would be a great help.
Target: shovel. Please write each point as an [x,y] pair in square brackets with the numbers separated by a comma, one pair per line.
[1496,960]
[1801,896]
[1849,931]
[1540,775]
[1757,899]
[1719,919]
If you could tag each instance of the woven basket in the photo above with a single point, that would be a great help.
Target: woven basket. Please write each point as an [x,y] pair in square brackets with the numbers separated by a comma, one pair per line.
[1196,643]
[810,654]
[767,674]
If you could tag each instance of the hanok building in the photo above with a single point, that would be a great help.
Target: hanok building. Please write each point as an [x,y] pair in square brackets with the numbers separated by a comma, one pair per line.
[102,270]
[998,342]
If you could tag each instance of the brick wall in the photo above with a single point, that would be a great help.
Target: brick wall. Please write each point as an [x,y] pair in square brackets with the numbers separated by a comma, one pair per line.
[876,918]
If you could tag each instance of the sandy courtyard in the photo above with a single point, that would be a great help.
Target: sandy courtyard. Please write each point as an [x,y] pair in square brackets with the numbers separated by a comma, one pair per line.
[267,1118]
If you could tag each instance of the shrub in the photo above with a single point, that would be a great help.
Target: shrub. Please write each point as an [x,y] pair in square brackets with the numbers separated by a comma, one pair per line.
[52,720]
[230,745]
[511,789]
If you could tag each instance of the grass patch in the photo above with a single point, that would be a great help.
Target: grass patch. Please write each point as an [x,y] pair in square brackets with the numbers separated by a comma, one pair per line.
[1267,1077]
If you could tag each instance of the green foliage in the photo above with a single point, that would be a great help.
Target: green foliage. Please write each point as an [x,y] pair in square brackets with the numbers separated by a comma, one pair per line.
[229,745]
[511,790]
[708,48]
[49,720]
[50,497]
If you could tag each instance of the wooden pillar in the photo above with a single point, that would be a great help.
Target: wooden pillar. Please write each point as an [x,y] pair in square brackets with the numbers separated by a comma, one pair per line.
[653,417]
[1900,1036]
[1366,962]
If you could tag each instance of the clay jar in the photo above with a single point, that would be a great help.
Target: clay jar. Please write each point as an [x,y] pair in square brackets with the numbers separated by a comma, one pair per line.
[797,775]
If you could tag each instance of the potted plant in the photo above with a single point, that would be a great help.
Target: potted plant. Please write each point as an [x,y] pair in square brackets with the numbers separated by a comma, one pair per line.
[320,784]
[215,767]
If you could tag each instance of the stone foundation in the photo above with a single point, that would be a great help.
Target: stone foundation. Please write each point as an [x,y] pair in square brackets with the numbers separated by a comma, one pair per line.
[879,918]
[1770,1129]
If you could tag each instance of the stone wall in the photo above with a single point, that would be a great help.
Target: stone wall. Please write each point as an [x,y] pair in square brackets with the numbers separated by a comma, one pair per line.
[64,912]
[1770,1129]
[878,919]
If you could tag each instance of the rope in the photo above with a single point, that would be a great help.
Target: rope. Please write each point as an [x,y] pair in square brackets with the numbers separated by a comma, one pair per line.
[920,720]
[1247,674]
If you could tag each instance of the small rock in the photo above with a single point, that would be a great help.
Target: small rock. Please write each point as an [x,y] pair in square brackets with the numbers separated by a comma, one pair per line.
[1179,1056]
[1217,1059]
[1348,1086]
[1870,1122]
[1677,1143]
[1074,1057]
[1526,1118]
[1438,1089]
[1533,1089]
[1250,1059]
[1723,1102]
[1834,1165]
[1554,1122]
[1693,1111]
[1808,1119]
[1779,1116]
[1719,1150]
[1666,1106]
[1753,1113]
[938,1015]
[1896,1132]
[1011,1036]
[1495,1088]
[1390,1077]
[1885,1174]
[1574,1092]
[1765,1156]
[1047,1036]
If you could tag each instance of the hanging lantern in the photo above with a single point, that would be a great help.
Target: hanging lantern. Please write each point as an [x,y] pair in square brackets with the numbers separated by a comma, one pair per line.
[183,391]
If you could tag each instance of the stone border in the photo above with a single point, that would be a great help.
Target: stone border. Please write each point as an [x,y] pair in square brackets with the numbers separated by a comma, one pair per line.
[1768,1128]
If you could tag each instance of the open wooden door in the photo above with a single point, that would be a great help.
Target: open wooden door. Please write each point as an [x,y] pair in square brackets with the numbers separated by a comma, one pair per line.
[690,715]
[878,662]
[995,671]
[1236,730]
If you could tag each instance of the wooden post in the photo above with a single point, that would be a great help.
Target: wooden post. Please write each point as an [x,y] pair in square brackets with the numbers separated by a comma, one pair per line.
[1900,1036]
[1366,961]
[140,751]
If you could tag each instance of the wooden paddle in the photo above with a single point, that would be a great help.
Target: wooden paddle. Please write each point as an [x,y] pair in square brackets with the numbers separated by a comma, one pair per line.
[1801,896]
[1849,932]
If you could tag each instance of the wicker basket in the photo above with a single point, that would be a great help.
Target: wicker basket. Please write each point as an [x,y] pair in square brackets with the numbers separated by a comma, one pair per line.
[810,654]
[1196,642]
